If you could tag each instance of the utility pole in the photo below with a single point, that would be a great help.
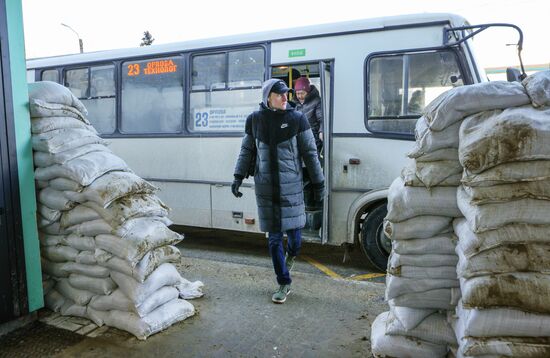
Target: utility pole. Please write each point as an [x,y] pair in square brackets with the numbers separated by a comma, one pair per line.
[80,42]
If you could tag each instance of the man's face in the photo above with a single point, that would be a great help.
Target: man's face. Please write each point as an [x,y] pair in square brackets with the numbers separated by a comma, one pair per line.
[301,95]
[278,101]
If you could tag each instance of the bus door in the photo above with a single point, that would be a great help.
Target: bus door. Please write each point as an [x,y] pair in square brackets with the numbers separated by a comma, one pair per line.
[326,98]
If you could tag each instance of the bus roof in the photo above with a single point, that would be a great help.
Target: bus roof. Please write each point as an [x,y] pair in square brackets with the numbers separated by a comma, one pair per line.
[250,38]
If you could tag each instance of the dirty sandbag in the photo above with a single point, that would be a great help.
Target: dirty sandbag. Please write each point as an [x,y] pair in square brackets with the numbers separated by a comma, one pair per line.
[410,177]
[506,347]
[538,88]
[51,240]
[503,322]
[405,202]
[438,155]
[81,297]
[492,216]
[508,173]
[419,227]
[41,109]
[131,206]
[114,301]
[54,269]
[48,213]
[495,137]
[418,272]
[517,257]
[54,199]
[78,215]
[64,184]
[189,290]
[426,260]
[156,300]
[97,285]
[440,244]
[156,321]
[471,243]
[409,318]
[428,141]
[443,299]
[59,253]
[526,291]
[397,286]
[508,192]
[91,228]
[46,124]
[70,308]
[433,329]
[54,229]
[44,159]
[61,140]
[82,243]
[88,270]
[53,300]
[435,173]
[84,169]
[52,92]
[455,104]
[86,258]
[383,345]
[165,275]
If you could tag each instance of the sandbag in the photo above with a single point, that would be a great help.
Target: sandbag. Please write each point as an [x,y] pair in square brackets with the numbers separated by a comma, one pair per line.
[52,92]
[383,345]
[54,199]
[189,290]
[54,229]
[45,159]
[53,300]
[70,308]
[82,243]
[131,206]
[427,260]
[409,318]
[41,109]
[439,172]
[445,154]
[91,228]
[80,297]
[538,88]
[491,138]
[419,227]
[397,286]
[455,104]
[48,285]
[509,173]
[442,244]
[47,124]
[508,192]
[54,269]
[433,329]
[78,215]
[64,184]
[99,286]
[416,272]
[429,141]
[405,202]
[48,213]
[410,177]
[86,258]
[59,253]
[525,291]
[50,240]
[506,347]
[87,270]
[61,140]
[444,299]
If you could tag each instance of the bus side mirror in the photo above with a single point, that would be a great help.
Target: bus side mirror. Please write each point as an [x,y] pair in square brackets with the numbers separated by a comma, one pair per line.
[513,75]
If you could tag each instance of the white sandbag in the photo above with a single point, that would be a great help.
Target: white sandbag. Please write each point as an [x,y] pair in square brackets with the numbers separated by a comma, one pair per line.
[82,243]
[503,322]
[54,269]
[70,308]
[42,222]
[41,109]
[165,275]
[383,345]
[505,259]
[64,184]
[78,215]
[442,244]
[189,290]
[80,297]
[471,243]
[146,265]
[86,258]
[52,92]
[409,318]
[492,216]
[435,173]
[84,169]
[506,347]
[61,140]
[141,239]
[157,320]
[39,184]
[439,272]
[444,299]
[428,141]
[459,102]
[525,291]
[59,253]
[114,301]
[88,270]
[48,213]
[156,300]
[54,229]
[50,240]
[133,226]
[433,329]
[508,173]
[112,186]
[91,228]
[410,177]
[95,316]
[54,199]
[419,227]
[397,286]
[46,124]
[405,202]
[444,154]
[426,260]
[45,159]
[99,286]
[507,192]
[491,138]
[131,206]
[53,300]
[538,88]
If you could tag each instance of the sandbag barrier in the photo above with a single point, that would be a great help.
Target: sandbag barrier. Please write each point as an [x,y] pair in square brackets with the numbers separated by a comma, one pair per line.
[106,248]
[499,133]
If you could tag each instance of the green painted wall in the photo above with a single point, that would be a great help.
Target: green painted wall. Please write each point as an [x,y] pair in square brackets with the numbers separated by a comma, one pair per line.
[24,153]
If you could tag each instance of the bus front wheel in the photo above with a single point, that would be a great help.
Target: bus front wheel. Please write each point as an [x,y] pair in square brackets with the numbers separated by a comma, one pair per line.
[374,243]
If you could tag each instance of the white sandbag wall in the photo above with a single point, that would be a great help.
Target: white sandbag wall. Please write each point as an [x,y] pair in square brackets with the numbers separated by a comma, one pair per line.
[105,243]
[504,239]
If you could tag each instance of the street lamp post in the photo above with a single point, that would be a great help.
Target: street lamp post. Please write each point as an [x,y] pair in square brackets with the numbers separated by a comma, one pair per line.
[80,43]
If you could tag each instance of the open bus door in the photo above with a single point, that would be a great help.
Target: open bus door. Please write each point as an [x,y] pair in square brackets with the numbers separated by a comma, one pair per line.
[325,72]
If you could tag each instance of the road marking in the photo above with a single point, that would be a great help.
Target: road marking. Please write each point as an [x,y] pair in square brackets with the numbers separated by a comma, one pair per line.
[366,276]
[322,267]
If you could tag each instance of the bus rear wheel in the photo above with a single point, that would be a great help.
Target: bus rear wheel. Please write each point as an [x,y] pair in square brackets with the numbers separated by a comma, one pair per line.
[374,243]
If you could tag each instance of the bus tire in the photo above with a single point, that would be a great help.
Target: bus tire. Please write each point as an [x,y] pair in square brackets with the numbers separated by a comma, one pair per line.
[374,243]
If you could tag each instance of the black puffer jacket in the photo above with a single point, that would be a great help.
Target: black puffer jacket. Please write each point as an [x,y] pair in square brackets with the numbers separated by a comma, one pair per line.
[312,108]
[283,139]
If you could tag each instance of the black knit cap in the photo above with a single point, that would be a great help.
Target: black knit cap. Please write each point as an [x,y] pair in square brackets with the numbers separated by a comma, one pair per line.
[280,87]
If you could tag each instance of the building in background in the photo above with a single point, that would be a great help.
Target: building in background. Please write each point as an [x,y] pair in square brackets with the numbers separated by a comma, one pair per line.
[499,73]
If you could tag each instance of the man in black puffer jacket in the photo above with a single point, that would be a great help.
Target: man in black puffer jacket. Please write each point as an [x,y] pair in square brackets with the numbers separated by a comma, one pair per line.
[281,138]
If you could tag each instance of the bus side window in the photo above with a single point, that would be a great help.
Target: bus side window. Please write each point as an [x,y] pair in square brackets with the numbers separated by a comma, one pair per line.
[50,75]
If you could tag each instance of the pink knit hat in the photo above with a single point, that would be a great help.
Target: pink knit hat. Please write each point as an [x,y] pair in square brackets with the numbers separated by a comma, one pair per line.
[302,84]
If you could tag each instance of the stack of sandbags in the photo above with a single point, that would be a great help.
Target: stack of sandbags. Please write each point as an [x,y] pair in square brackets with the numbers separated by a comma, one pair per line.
[504,239]
[106,246]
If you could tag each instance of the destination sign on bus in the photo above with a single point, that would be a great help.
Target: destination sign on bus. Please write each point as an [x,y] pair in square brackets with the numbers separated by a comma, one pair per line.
[152,68]
[216,119]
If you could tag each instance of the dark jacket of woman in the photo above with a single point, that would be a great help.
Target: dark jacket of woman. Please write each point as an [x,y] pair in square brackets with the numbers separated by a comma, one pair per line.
[312,108]
[283,139]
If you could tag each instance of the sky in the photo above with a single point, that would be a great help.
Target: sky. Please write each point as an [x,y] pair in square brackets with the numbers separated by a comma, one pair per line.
[113,24]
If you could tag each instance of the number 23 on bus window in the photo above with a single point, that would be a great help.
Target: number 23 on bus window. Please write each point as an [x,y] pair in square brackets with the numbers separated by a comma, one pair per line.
[201,119]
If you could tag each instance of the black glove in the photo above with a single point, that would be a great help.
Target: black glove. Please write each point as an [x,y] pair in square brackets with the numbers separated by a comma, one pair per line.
[318,191]
[235,187]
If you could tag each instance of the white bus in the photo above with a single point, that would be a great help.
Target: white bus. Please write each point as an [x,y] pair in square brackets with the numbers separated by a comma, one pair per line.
[175,113]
